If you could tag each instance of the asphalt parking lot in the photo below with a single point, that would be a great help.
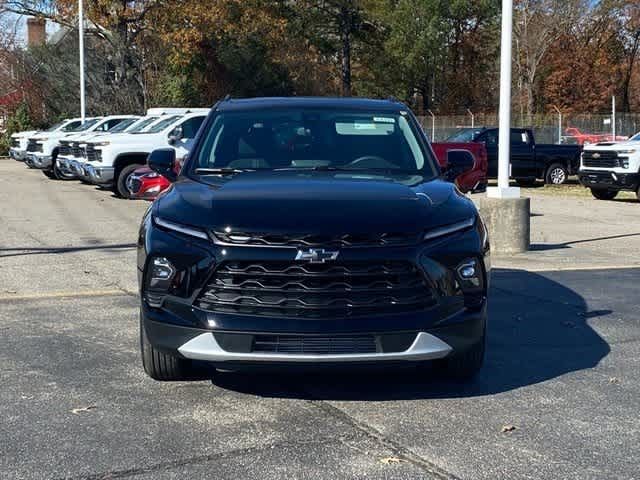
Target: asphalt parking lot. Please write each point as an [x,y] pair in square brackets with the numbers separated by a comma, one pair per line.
[557,398]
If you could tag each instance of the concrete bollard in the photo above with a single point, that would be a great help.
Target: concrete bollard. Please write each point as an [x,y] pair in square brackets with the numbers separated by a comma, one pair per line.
[508,222]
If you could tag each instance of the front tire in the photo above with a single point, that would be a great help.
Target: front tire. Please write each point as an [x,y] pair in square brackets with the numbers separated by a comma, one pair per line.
[121,182]
[49,174]
[557,174]
[159,365]
[603,194]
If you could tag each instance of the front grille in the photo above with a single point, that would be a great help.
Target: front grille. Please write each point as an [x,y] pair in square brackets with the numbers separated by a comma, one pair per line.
[314,345]
[15,143]
[92,154]
[601,159]
[344,240]
[76,150]
[34,146]
[322,290]
[64,148]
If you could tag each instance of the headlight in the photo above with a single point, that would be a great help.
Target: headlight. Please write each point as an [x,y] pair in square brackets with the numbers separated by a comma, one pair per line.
[160,279]
[101,144]
[629,151]
[184,229]
[44,139]
[449,229]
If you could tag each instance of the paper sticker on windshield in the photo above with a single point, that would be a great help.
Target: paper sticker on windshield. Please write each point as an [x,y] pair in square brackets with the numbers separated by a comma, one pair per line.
[364,126]
[384,119]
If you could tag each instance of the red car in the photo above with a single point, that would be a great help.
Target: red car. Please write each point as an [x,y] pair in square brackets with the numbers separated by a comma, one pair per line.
[575,135]
[146,184]
[475,180]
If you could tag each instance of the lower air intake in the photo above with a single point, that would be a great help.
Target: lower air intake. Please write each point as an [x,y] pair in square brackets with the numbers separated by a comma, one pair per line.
[315,345]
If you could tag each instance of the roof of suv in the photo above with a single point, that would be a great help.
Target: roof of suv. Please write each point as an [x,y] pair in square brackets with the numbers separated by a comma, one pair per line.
[310,102]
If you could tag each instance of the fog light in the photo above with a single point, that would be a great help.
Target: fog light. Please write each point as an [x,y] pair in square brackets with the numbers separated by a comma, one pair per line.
[470,274]
[468,271]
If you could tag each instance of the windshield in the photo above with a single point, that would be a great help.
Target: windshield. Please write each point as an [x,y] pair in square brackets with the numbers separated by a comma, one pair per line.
[161,125]
[635,138]
[142,124]
[123,125]
[85,126]
[69,127]
[313,139]
[54,127]
[465,135]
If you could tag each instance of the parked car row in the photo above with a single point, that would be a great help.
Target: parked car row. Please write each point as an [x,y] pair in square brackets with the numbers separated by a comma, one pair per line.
[110,151]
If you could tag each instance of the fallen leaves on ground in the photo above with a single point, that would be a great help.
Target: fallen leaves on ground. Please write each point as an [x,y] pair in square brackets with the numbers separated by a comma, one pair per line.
[78,411]
[614,380]
[509,428]
[390,460]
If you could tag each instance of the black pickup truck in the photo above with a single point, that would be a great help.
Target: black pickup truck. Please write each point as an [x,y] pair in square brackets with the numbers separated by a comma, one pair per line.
[529,161]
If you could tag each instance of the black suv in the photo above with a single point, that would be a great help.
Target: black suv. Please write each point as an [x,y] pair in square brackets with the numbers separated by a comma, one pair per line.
[311,232]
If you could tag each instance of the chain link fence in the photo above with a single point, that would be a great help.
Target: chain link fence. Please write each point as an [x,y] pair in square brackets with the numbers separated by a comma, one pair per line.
[548,128]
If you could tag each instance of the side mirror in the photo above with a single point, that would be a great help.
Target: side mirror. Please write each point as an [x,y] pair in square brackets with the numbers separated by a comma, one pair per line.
[458,162]
[175,135]
[162,161]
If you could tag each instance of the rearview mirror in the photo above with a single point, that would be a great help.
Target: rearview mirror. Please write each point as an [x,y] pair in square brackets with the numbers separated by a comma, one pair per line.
[162,161]
[176,135]
[458,162]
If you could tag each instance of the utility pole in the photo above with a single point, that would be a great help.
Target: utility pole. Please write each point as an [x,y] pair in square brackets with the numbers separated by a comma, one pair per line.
[81,48]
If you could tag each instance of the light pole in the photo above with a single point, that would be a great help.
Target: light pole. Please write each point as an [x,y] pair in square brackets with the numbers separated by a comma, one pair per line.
[81,48]
[559,124]
[473,118]
[433,126]
[506,215]
[503,190]
[613,118]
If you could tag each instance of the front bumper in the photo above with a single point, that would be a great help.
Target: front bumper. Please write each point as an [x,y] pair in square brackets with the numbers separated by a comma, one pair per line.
[100,175]
[461,332]
[65,165]
[39,160]
[602,179]
[17,154]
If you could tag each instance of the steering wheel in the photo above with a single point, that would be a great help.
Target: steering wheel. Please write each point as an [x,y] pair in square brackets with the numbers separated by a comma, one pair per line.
[371,161]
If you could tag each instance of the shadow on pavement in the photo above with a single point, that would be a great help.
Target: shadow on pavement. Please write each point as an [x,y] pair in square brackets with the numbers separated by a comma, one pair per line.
[557,246]
[537,331]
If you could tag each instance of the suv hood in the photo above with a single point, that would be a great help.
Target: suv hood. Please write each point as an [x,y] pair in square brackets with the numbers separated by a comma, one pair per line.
[308,202]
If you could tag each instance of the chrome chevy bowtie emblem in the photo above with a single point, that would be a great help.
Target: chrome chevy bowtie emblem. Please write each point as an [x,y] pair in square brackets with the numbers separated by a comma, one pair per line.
[596,155]
[315,255]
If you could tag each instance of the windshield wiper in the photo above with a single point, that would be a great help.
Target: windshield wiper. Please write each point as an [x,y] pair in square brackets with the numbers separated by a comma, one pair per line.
[221,171]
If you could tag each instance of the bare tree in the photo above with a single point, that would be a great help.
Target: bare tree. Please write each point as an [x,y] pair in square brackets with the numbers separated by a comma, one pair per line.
[537,25]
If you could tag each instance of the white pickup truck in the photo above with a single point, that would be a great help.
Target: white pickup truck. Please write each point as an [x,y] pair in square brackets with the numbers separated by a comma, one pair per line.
[608,168]
[71,146]
[42,149]
[18,147]
[20,140]
[110,161]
